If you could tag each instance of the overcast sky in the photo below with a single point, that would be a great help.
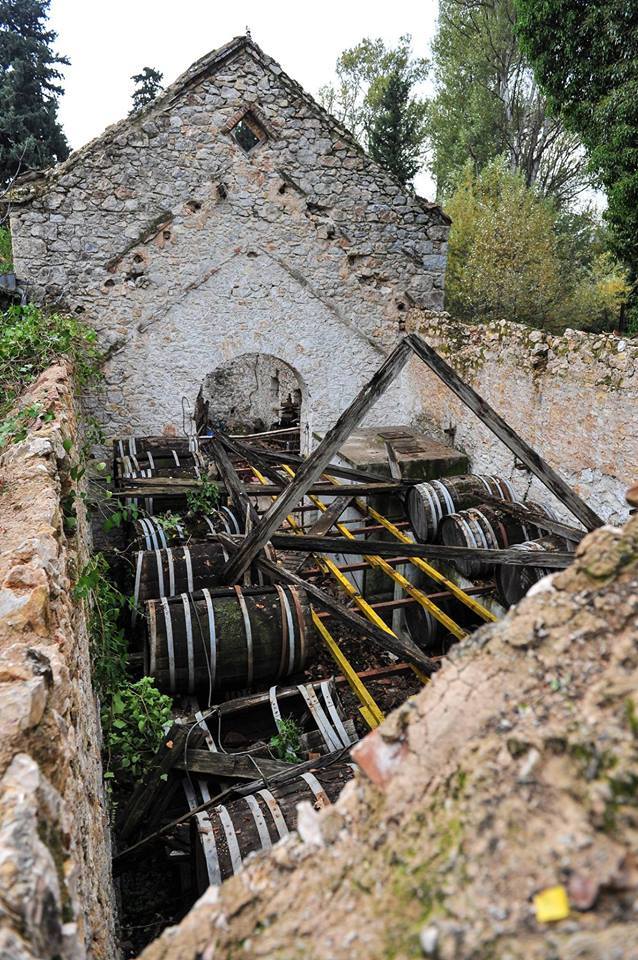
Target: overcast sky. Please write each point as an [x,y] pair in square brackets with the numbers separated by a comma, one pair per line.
[108,42]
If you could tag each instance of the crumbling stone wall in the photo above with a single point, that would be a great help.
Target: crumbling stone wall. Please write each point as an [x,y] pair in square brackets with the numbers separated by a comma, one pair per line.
[250,391]
[186,251]
[56,898]
[572,397]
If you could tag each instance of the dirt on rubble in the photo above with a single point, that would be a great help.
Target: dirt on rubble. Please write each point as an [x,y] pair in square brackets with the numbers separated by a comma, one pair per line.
[514,771]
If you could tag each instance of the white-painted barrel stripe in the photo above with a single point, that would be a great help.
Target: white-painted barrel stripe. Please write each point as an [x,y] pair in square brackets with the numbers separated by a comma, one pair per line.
[121,448]
[274,706]
[231,837]
[277,815]
[190,651]
[147,539]
[189,569]
[138,577]
[212,633]
[170,649]
[334,714]
[206,835]
[210,524]
[285,630]
[232,519]
[316,787]
[150,459]
[175,457]
[477,516]
[171,572]
[249,636]
[291,631]
[445,493]
[201,723]
[132,445]
[161,534]
[260,823]
[160,573]
[324,726]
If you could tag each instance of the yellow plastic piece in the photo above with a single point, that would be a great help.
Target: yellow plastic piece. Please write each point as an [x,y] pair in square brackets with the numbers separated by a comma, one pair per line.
[551,904]
[370,712]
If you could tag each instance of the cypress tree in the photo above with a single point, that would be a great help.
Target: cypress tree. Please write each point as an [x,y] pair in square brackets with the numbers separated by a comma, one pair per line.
[148,84]
[396,131]
[31,136]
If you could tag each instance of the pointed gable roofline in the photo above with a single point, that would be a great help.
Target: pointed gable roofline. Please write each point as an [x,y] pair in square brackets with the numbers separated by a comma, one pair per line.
[37,183]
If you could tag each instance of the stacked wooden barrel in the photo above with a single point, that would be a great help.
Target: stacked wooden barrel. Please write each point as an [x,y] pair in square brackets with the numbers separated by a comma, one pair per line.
[229,833]
[513,582]
[487,527]
[428,503]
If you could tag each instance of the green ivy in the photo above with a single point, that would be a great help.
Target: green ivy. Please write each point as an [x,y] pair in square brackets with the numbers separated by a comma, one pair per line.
[15,426]
[286,743]
[106,606]
[6,253]
[133,727]
[204,498]
[31,340]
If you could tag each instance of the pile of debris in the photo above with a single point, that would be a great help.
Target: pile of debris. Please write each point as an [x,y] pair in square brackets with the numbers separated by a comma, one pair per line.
[243,611]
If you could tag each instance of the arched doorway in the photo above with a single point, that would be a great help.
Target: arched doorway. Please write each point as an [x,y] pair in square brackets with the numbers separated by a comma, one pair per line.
[252,393]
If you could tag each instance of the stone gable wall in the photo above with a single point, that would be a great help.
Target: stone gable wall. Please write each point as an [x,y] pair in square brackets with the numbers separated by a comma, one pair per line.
[186,252]
[572,397]
[56,896]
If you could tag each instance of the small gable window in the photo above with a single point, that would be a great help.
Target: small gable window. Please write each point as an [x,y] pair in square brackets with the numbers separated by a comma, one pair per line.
[248,132]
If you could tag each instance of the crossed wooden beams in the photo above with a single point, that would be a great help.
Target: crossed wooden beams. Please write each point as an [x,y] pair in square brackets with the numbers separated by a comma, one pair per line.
[312,468]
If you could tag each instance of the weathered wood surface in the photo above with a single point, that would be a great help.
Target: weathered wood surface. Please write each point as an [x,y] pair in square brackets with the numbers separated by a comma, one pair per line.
[172,745]
[323,525]
[432,551]
[180,569]
[519,447]
[228,766]
[295,459]
[522,512]
[315,464]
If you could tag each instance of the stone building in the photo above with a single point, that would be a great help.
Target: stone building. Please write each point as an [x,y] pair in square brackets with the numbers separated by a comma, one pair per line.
[233,221]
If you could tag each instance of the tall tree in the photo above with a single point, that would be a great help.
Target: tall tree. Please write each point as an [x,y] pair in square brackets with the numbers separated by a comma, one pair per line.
[585,56]
[148,84]
[487,104]
[360,94]
[31,136]
[395,137]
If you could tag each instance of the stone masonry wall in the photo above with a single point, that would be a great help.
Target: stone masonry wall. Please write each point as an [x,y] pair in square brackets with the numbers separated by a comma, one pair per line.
[56,897]
[186,252]
[572,397]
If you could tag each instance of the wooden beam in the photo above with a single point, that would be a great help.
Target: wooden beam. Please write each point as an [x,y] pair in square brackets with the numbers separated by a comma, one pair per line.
[400,646]
[322,525]
[294,459]
[531,516]
[519,447]
[316,463]
[227,766]
[167,756]
[435,551]
[241,501]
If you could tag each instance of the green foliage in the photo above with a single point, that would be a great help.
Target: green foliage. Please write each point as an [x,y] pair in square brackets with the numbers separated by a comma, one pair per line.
[133,726]
[204,498]
[124,514]
[15,426]
[6,252]
[30,133]
[486,104]
[585,57]
[512,256]
[169,522]
[148,85]
[106,605]
[396,129]
[30,340]
[286,743]
[360,94]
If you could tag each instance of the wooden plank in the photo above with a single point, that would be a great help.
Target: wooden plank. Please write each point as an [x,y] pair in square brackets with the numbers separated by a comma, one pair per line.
[436,551]
[244,506]
[316,463]
[322,489]
[519,447]
[227,766]
[530,516]
[167,757]
[295,459]
[323,524]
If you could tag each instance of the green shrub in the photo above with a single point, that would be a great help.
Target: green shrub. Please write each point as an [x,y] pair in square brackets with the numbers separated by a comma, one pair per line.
[286,743]
[204,498]
[6,253]
[31,340]
[133,726]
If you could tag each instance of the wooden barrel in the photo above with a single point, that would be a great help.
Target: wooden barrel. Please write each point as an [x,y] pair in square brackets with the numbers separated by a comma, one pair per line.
[226,834]
[239,640]
[149,534]
[514,582]
[165,460]
[175,570]
[428,503]
[487,527]
[140,446]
